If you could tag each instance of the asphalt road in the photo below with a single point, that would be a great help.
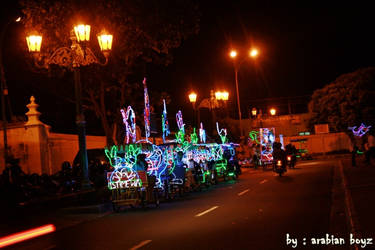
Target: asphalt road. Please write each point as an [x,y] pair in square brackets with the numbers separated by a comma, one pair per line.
[255,212]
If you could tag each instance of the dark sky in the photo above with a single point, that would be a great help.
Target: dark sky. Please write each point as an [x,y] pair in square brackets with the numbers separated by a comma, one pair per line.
[301,49]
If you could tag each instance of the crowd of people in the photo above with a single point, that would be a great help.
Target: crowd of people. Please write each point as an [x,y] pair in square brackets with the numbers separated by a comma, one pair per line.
[19,188]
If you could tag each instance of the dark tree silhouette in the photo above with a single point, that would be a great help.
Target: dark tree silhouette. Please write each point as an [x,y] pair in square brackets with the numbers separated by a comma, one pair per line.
[346,102]
[145,31]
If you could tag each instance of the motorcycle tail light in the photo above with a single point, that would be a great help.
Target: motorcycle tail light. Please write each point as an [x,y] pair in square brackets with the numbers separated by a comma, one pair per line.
[279,163]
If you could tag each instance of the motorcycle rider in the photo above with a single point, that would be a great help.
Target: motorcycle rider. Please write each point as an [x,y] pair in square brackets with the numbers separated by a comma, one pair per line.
[279,154]
[291,150]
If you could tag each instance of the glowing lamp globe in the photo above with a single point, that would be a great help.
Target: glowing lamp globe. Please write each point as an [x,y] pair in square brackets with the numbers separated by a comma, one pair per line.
[225,96]
[34,42]
[193,97]
[218,95]
[254,111]
[253,53]
[273,111]
[82,32]
[105,42]
[233,54]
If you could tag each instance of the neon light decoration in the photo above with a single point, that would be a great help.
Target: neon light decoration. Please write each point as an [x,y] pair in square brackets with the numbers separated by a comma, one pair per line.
[202,134]
[124,177]
[362,130]
[253,136]
[222,133]
[26,235]
[267,138]
[164,122]
[194,137]
[180,136]
[146,110]
[128,118]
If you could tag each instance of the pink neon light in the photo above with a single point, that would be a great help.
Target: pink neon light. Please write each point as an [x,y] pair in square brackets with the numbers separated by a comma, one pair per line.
[25,235]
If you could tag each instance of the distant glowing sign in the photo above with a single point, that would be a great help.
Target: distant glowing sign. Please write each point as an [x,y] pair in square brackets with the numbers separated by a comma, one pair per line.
[267,138]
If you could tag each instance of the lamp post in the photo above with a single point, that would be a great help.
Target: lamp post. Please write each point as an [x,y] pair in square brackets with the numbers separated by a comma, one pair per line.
[193,100]
[78,55]
[3,88]
[233,54]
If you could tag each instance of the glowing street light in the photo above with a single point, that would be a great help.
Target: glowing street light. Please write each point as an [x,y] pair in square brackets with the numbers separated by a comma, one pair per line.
[233,54]
[273,111]
[192,97]
[254,111]
[34,42]
[253,53]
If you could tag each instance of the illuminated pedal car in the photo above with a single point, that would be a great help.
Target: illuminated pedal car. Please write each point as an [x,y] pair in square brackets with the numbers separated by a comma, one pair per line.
[132,188]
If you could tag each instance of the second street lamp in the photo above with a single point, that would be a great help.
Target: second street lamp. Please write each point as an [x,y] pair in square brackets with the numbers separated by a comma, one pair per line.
[237,63]
[73,58]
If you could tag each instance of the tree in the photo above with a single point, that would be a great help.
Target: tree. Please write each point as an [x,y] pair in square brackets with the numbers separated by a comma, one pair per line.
[145,31]
[346,102]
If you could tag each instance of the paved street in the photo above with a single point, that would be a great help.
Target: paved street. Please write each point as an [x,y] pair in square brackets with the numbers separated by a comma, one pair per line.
[255,212]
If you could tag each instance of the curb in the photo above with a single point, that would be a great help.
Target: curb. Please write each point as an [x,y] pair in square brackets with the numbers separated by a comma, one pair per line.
[98,208]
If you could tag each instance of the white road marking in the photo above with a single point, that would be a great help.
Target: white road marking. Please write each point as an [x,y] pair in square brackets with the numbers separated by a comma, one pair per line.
[264,181]
[243,192]
[207,211]
[143,243]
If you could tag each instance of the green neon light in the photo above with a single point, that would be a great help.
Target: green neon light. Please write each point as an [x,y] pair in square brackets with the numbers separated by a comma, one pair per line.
[359,152]
[253,136]
[180,136]
[194,137]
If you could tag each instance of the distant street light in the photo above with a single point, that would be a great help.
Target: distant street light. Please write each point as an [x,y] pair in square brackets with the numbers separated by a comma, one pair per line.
[233,54]
[273,111]
[254,112]
[79,54]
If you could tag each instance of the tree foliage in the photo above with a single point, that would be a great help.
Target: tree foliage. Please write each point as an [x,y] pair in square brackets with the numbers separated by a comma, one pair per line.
[144,31]
[346,102]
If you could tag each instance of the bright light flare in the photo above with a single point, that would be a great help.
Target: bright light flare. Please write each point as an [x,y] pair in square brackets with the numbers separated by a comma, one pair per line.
[273,111]
[18,19]
[253,53]
[34,42]
[82,32]
[25,235]
[193,97]
[233,54]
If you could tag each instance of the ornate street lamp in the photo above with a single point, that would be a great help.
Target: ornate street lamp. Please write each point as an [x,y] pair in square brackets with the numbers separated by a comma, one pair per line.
[79,54]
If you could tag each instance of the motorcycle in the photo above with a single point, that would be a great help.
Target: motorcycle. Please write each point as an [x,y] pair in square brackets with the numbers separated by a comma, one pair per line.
[291,161]
[279,167]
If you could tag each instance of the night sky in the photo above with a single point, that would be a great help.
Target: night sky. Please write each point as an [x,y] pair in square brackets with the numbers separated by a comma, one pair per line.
[300,49]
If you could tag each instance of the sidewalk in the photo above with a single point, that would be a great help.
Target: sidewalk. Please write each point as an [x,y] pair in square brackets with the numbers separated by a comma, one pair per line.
[361,186]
